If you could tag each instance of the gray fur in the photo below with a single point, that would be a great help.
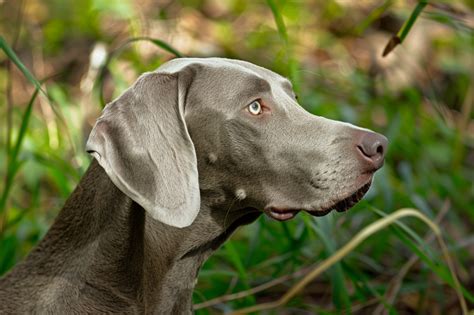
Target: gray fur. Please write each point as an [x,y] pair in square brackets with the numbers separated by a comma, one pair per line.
[141,222]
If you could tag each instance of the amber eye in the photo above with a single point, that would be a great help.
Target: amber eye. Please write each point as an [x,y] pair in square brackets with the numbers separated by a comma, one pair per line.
[255,108]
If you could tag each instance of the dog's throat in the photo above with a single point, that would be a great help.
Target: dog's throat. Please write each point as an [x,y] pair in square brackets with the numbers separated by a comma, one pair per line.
[216,242]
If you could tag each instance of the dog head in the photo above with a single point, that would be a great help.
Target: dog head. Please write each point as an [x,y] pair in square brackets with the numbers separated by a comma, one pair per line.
[214,124]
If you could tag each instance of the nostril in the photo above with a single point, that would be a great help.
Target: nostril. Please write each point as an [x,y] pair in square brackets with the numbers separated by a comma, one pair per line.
[361,149]
[370,152]
[380,149]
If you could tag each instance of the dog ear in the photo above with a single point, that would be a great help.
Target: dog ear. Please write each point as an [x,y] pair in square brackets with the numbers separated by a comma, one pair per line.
[142,142]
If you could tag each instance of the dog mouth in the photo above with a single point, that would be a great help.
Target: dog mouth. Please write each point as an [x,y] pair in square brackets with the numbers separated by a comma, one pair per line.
[343,204]
[281,214]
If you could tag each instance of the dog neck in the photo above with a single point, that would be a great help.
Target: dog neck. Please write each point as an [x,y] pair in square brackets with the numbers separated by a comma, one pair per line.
[107,246]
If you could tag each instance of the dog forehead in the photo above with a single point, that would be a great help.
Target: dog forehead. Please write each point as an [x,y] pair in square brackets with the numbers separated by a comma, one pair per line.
[227,66]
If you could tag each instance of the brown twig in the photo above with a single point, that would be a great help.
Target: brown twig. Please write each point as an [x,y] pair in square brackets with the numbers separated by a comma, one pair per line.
[259,288]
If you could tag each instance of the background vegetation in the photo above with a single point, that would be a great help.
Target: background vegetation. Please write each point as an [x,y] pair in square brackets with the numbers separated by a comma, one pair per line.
[420,96]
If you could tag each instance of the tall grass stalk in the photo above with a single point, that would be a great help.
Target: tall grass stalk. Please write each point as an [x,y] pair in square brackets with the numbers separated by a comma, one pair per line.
[292,63]
[406,27]
[38,85]
[349,247]
[14,58]
[99,83]
[13,161]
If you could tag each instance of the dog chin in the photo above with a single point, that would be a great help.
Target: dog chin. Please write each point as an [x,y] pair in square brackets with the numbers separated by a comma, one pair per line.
[341,205]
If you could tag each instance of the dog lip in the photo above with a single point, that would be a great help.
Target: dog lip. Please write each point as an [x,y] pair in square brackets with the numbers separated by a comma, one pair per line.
[344,204]
[281,214]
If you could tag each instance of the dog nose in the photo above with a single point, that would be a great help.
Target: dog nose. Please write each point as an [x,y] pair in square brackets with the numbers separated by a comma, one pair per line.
[372,146]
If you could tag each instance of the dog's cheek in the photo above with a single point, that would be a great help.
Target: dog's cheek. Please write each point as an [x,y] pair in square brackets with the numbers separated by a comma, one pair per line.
[242,145]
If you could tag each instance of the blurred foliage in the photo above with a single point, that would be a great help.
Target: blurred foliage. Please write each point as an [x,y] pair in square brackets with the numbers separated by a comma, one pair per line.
[420,96]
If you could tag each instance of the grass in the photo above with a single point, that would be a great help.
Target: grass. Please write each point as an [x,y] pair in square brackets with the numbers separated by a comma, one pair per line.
[368,231]
[104,69]
[364,261]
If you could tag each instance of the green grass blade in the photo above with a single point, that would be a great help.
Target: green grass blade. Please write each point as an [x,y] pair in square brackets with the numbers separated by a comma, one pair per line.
[350,246]
[363,288]
[13,163]
[374,15]
[404,233]
[14,58]
[255,241]
[234,257]
[163,45]
[99,83]
[292,63]
[24,126]
[278,20]
[8,245]
[402,34]
[341,300]
[406,230]
[440,270]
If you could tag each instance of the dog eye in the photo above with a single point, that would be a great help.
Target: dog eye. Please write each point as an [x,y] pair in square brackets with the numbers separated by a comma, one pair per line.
[255,108]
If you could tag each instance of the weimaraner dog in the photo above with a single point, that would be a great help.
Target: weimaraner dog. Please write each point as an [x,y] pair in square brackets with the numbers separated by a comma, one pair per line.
[181,159]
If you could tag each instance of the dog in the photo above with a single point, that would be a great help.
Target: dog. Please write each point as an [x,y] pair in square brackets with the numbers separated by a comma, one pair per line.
[181,159]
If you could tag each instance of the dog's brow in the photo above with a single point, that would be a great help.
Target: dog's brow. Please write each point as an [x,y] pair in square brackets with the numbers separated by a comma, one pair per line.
[254,86]
[260,85]
[286,84]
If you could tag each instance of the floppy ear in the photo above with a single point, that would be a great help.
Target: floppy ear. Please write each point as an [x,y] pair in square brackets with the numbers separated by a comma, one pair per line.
[142,142]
